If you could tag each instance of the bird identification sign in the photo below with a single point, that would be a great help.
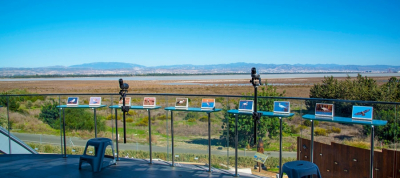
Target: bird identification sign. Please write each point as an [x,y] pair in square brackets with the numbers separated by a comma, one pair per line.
[363,113]
[259,157]
[282,107]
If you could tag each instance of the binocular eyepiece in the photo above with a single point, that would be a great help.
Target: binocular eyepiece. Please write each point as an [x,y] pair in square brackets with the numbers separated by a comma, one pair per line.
[254,74]
[122,85]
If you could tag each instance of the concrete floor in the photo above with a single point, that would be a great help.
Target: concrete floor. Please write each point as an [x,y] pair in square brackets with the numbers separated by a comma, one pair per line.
[53,166]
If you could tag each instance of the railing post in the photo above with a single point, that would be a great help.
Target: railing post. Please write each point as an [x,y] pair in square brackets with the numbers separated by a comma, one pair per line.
[9,125]
[372,153]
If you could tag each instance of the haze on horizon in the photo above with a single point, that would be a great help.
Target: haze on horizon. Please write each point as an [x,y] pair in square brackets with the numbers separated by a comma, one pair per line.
[65,33]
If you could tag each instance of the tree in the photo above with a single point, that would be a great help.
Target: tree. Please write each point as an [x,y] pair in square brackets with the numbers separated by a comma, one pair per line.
[246,122]
[365,89]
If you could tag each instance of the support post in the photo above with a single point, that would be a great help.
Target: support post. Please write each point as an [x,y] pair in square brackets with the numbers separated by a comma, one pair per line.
[209,143]
[372,153]
[65,145]
[172,138]
[116,132]
[95,123]
[236,144]
[280,147]
[312,142]
[151,158]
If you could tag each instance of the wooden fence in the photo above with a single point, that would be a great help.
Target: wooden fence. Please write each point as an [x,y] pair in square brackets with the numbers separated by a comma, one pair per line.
[337,160]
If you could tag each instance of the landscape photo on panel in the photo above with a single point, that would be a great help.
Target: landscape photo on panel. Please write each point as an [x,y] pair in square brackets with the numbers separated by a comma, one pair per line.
[149,101]
[246,105]
[95,101]
[282,106]
[72,101]
[207,103]
[181,102]
[323,109]
[363,112]
[127,101]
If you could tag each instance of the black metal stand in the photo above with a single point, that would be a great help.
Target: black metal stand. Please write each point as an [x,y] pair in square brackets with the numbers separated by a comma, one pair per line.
[312,142]
[65,144]
[116,133]
[372,153]
[95,123]
[172,138]
[236,145]
[151,155]
[280,147]
[209,143]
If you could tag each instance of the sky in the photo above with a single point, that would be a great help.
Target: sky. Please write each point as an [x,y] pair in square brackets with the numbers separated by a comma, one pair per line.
[153,33]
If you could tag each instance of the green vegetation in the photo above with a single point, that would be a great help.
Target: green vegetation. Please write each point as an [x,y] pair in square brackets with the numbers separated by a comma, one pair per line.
[246,123]
[320,131]
[365,89]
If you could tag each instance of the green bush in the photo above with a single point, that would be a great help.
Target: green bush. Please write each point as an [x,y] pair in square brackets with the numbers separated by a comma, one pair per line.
[143,122]
[129,120]
[320,131]
[110,117]
[163,117]
[192,120]
[203,119]
[29,104]
[335,129]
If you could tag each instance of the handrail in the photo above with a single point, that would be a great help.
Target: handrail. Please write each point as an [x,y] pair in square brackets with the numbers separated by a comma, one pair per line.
[210,95]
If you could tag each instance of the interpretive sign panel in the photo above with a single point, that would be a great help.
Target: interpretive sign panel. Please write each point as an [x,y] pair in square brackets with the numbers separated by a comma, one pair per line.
[282,107]
[363,112]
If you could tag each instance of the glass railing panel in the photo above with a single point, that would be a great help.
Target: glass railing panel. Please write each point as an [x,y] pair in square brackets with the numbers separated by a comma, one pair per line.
[33,124]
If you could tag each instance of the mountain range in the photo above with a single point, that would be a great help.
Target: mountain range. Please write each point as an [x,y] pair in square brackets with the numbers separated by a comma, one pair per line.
[115,68]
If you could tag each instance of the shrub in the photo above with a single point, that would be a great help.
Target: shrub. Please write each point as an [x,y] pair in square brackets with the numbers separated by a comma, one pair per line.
[336,129]
[294,129]
[110,117]
[163,117]
[302,127]
[320,131]
[192,120]
[308,123]
[129,120]
[203,119]
[143,122]
[29,104]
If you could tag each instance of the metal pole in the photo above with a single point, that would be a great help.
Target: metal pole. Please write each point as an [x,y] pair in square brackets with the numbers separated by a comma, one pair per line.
[124,126]
[280,147]
[59,114]
[209,143]
[95,123]
[255,111]
[151,159]
[372,152]
[116,132]
[236,144]
[65,145]
[172,137]
[9,125]
[312,142]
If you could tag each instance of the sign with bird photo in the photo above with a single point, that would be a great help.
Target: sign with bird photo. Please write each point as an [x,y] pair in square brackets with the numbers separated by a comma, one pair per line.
[246,105]
[72,101]
[323,109]
[149,102]
[208,104]
[95,101]
[282,107]
[182,103]
[363,112]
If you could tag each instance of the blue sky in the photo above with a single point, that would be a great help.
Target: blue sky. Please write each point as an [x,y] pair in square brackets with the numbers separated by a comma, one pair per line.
[152,33]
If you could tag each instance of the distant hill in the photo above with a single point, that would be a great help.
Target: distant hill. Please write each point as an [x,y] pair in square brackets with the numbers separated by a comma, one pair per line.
[107,65]
[117,68]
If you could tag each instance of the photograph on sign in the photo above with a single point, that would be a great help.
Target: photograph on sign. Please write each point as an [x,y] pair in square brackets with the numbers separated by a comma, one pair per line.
[282,107]
[207,104]
[95,101]
[324,110]
[363,112]
[127,101]
[259,157]
[246,105]
[72,101]
[149,102]
[182,103]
